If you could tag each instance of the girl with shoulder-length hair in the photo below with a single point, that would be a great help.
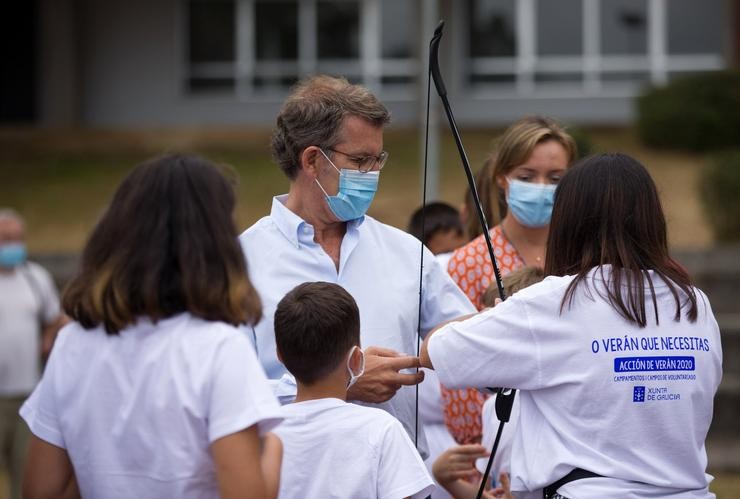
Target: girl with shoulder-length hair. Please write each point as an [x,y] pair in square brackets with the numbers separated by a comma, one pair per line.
[616,354]
[153,391]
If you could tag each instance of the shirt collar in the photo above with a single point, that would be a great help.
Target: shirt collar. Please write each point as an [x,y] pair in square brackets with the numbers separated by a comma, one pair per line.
[290,224]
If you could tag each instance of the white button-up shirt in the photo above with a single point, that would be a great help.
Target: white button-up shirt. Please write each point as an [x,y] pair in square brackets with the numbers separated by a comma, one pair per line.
[379,267]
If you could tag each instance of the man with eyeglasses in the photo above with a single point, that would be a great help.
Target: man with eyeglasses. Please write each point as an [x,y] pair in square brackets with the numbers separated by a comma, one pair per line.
[329,142]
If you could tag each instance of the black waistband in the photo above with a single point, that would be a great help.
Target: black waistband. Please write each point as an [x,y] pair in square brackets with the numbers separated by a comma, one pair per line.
[574,475]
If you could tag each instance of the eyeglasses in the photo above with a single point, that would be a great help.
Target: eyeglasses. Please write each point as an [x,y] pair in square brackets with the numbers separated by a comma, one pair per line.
[365,163]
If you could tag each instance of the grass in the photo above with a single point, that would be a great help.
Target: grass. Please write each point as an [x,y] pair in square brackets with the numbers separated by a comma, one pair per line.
[61,181]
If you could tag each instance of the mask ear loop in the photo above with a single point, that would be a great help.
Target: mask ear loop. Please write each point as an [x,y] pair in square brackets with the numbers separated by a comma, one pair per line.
[352,376]
[362,362]
[330,161]
[333,165]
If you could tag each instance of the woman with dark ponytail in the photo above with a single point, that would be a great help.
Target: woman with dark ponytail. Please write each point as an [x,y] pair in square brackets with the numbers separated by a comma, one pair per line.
[616,354]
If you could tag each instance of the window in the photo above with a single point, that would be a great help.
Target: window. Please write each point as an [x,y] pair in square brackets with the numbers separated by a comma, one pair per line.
[694,27]
[261,47]
[398,44]
[276,45]
[588,47]
[211,51]
[560,27]
[623,27]
[492,28]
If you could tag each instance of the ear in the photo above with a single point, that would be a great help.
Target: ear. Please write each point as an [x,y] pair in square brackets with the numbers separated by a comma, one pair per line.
[463,213]
[355,360]
[279,355]
[309,161]
[501,182]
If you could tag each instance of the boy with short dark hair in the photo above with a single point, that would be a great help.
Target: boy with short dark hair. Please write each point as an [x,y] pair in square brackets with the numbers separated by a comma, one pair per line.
[333,448]
[443,228]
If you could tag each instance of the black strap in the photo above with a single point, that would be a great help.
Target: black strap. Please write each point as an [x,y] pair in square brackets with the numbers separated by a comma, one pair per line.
[25,271]
[575,474]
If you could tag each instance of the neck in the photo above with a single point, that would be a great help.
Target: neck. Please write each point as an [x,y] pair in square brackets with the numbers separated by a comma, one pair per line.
[313,212]
[521,235]
[333,386]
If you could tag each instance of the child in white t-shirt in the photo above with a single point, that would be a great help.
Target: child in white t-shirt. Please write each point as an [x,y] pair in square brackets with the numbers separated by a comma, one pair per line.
[153,392]
[331,448]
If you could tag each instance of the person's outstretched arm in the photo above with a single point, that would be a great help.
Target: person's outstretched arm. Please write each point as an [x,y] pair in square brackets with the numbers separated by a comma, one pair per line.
[244,469]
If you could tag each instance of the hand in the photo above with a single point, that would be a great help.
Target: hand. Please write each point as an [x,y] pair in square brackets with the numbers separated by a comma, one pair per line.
[458,463]
[504,489]
[382,378]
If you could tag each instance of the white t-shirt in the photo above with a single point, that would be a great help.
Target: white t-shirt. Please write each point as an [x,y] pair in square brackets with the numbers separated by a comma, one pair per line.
[138,411]
[28,299]
[333,449]
[596,391]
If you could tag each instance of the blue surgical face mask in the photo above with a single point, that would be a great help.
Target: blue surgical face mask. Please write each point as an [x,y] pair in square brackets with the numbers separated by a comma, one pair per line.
[531,204]
[12,254]
[356,192]
[352,375]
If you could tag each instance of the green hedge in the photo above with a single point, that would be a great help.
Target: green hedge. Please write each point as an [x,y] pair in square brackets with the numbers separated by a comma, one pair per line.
[696,113]
[583,141]
[720,192]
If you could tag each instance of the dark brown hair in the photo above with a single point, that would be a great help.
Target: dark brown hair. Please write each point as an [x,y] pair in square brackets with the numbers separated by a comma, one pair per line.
[313,115]
[166,244]
[607,212]
[315,326]
[438,217]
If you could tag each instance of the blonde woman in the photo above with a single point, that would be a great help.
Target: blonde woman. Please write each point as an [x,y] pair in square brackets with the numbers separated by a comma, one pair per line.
[528,162]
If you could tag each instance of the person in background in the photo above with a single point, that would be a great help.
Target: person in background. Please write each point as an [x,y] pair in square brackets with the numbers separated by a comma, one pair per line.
[443,230]
[616,338]
[328,141]
[153,391]
[29,320]
[334,449]
[528,162]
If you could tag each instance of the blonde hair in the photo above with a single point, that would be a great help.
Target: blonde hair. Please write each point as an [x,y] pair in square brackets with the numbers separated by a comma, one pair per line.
[513,282]
[517,145]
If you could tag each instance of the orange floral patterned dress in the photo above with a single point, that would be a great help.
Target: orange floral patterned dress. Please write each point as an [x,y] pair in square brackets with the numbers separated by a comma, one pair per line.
[470,267]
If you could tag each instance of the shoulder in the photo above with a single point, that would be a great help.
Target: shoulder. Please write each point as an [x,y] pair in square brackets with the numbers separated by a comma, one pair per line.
[545,287]
[73,337]
[380,425]
[473,248]
[371,418]
[39,273]
[214,332]
[387,233]
[258,228]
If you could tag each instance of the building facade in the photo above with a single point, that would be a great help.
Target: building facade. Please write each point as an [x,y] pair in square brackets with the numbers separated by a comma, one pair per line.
[132,63]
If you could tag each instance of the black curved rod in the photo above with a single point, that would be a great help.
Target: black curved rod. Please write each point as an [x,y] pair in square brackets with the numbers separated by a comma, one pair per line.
[442,91]
[504,397]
